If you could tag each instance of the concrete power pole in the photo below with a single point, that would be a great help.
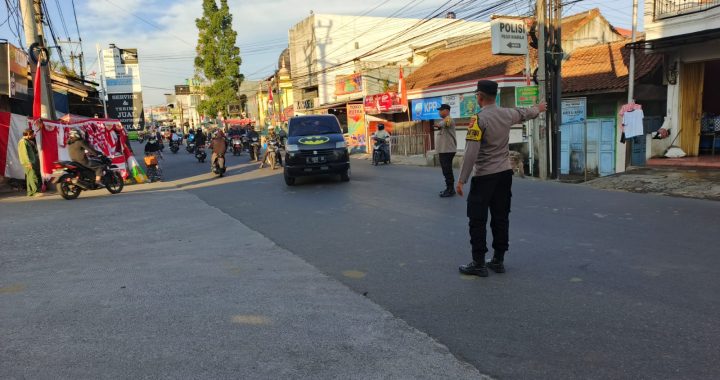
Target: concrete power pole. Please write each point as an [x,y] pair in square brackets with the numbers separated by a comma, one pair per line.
[32,23]
[631,84]
[543,132]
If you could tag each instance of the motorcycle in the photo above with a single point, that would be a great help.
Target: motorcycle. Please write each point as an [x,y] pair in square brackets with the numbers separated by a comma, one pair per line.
[174,146]
[72,178]
[190,147]
[237,146]
[218,169]
[380,152]
[273,154]
[255,148]
[200,154]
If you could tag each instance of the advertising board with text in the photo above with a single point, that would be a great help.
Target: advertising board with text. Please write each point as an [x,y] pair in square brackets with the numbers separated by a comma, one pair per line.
[13,72]
[526,96]
[573,110]
[509,36]
[461,106]
[122,71]
[348,84]
[128,108]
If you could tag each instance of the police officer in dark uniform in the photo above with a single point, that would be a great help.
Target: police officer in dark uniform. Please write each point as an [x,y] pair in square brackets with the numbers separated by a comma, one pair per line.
[487,151]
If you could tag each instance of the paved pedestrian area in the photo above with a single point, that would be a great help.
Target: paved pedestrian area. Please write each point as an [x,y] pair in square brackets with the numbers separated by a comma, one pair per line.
[688,183]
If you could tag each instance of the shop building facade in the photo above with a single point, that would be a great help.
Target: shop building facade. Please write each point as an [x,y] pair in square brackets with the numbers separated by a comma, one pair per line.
[686,37]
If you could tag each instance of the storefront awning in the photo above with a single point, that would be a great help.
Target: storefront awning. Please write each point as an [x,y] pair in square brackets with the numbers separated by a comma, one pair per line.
[676,41]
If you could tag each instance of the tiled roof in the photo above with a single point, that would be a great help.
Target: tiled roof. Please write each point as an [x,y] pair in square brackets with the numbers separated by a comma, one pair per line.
[604,67]
[476,61]
[588,69]
[466,63]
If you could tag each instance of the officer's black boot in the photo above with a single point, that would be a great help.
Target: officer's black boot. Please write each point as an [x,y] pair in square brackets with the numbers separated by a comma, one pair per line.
[474,269]
[496,264]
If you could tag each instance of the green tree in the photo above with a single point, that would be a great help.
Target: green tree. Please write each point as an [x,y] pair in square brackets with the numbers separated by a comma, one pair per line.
[218,59]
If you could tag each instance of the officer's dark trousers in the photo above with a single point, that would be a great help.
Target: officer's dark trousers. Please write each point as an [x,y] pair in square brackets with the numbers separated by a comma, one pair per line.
[446,162]
[489,192]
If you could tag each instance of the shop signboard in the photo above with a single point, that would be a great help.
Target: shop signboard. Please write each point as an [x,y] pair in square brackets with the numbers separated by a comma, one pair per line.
[526,96]
[348,84]
[181,89]
[356,137]
[426,109]
[509,36]
[306,104]
[128,108]
[573,110]
[13,72]
[122,70]
[388,102]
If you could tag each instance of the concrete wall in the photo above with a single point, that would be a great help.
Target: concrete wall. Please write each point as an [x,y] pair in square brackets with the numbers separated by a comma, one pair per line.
[679,25]
[597,31]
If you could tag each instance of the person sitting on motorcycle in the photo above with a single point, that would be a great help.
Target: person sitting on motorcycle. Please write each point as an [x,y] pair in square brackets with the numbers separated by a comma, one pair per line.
[383,135]
[77,147]
[152,165]
[176,137]
[272,136]
[191,135]
[218,144]
[252,133]
[153,143]
[200,138]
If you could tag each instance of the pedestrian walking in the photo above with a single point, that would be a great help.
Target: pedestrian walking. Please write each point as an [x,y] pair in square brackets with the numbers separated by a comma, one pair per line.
[487,151]
[30,160]
[446,146]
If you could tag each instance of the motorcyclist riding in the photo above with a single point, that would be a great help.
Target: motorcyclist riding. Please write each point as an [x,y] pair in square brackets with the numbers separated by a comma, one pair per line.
[252,133]
[383,136]
[272,137]
[76,147]
[218,144]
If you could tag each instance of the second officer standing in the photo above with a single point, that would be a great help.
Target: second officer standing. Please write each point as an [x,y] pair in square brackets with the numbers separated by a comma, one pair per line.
[446,146]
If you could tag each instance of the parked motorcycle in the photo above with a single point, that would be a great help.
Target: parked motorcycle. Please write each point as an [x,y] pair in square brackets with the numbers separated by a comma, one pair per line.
[237,146]
[72,178]
[200,153]
[380,151]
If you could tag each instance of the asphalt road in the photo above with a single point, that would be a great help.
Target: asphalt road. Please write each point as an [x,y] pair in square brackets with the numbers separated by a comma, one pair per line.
[599,284]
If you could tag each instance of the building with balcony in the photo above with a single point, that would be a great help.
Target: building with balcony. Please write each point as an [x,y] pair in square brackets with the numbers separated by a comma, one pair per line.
[686,34]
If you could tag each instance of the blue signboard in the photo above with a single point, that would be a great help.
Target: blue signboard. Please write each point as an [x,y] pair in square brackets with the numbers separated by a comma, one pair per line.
[426,109]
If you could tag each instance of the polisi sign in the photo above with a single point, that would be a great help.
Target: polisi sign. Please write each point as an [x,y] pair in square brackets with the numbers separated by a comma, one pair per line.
[509,36]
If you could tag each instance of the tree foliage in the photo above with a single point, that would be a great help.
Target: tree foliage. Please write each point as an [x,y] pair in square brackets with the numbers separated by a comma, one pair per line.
[218,59]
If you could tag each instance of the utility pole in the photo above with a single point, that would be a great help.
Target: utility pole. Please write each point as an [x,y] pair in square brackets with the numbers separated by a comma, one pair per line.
[554,14]
[631,85]
[32,23]
[543,132]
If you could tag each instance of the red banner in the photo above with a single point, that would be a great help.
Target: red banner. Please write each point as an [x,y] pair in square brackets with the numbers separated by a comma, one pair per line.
[389,102]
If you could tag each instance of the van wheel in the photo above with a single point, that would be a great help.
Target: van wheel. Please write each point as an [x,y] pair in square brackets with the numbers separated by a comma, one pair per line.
[345,176]
[290,181]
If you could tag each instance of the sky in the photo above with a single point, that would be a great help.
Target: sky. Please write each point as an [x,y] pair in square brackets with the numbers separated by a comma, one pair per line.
[164,31]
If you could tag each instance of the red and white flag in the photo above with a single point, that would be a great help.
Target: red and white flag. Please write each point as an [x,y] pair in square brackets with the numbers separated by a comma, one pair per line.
[402,88]
[37,93]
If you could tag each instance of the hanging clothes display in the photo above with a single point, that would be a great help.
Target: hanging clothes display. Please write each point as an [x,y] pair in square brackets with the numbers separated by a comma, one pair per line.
[632,117]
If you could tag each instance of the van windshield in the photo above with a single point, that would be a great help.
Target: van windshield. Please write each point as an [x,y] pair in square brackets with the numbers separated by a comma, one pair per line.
[309,126]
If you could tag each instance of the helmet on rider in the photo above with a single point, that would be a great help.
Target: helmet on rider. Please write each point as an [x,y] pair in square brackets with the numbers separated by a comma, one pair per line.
[75,134]
[381,127]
